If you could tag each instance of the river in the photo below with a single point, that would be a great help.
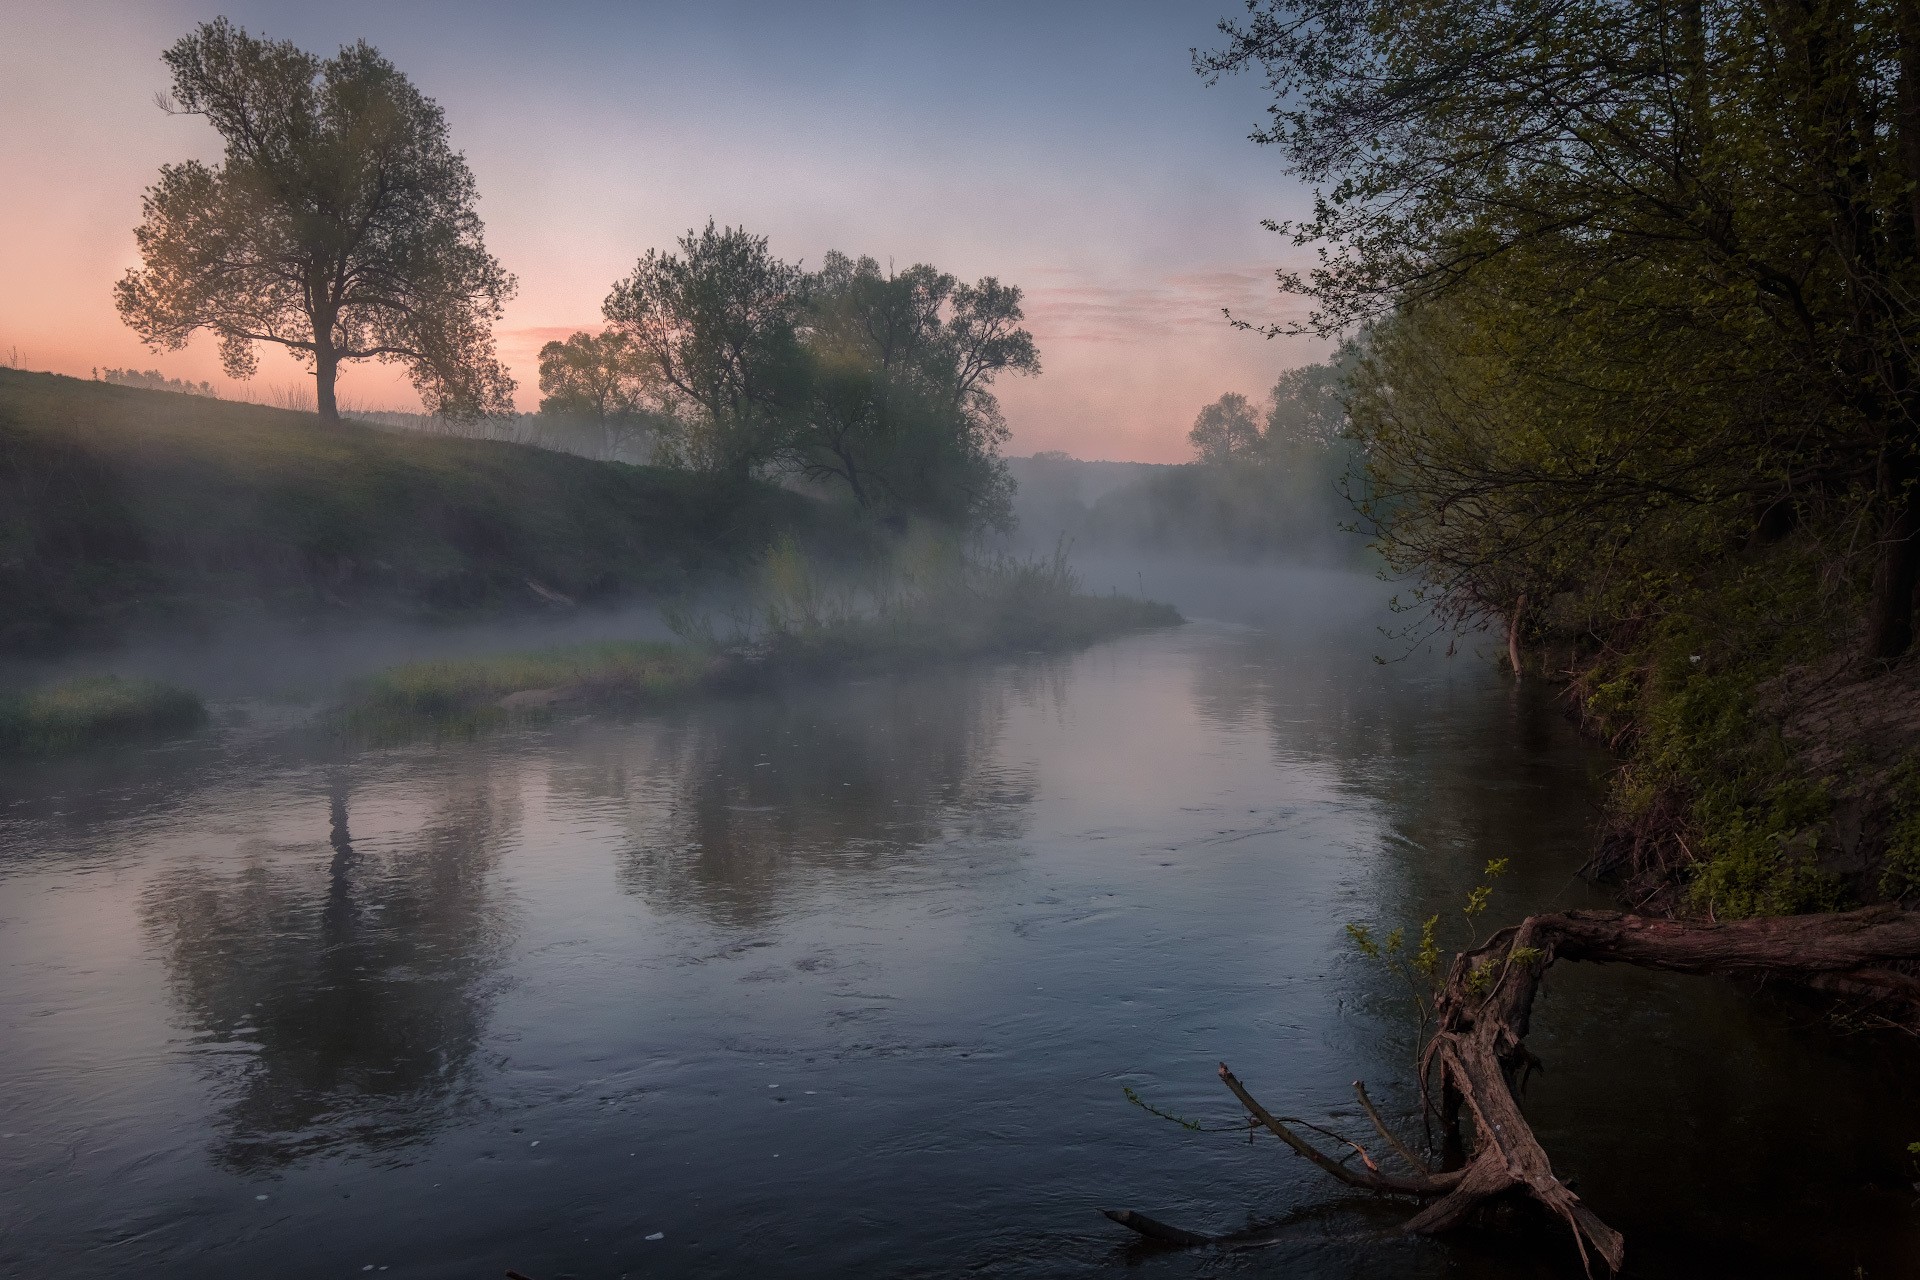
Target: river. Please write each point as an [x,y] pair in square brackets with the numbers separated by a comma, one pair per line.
[851,980]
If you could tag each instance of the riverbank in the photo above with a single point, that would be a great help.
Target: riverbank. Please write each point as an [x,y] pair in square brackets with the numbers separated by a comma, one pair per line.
[128,508]
[961,610]
[1766,768]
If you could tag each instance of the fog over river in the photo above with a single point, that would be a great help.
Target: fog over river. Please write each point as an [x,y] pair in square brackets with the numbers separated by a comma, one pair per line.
[850,980]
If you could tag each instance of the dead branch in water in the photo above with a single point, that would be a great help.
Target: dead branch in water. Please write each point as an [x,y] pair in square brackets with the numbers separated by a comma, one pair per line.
[1478,1047]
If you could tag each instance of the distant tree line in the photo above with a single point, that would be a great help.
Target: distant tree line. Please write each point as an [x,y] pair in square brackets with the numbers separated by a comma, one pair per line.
[154,380]
[1271,480]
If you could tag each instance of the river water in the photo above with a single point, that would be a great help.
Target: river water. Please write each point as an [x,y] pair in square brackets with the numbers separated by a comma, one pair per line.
[850,980]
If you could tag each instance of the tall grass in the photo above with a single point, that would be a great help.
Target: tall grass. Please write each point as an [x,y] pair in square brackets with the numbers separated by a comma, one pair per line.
[466,693]
[75,714]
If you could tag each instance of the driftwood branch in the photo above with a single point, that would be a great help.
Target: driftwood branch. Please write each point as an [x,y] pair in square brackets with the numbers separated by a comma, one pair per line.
[1380,1126]
[1482,1017]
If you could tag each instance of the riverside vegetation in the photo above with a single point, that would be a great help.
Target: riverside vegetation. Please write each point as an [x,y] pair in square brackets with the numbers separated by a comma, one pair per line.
[929,603]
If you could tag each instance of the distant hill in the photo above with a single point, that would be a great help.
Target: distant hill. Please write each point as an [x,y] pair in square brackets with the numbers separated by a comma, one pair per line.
[120,507]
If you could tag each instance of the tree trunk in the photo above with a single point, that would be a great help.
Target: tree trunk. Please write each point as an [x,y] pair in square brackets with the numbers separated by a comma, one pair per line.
[853,480]
[1890,625]
[326,367]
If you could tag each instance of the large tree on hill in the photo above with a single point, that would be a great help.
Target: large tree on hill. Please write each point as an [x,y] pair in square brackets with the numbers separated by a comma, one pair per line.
[339,225]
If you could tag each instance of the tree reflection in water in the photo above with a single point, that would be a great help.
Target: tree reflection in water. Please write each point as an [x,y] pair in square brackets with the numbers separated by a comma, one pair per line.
[740,810]
[339,999]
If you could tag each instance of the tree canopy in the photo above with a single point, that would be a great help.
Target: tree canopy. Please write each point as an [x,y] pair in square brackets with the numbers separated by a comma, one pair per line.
[901,408]
[1226,430]
[717,324]
[600,383]
[1642,274]
[339,225]
[877,381]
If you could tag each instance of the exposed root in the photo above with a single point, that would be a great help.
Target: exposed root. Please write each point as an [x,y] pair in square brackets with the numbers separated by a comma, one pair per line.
[1478,1049]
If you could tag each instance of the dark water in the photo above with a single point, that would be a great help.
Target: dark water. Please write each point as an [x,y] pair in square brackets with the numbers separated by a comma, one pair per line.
[849,982]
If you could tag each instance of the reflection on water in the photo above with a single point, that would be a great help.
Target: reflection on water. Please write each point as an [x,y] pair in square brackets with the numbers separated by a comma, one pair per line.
[337,1000]
[743,810]
[849,979]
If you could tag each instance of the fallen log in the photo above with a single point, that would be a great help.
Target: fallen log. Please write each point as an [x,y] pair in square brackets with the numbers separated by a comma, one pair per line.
[1478,1050]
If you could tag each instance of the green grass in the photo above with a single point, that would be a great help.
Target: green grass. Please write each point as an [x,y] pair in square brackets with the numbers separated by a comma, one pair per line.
[73,715]
[120,505]
[944,608]
[464,694]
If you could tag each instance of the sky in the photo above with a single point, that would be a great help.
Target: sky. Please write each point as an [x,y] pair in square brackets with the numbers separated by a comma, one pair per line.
[1065,147]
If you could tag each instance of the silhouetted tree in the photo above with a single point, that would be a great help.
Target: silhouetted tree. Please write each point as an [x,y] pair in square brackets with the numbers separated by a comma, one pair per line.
[900,406]
[716,323]
[340,225]
[1226,430]
[602,381]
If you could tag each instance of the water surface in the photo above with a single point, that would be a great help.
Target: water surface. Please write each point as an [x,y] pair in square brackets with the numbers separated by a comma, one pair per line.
[850,980]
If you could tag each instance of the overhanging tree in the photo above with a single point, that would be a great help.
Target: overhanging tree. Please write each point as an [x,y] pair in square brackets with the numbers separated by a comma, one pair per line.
[340,225]
[1732,175]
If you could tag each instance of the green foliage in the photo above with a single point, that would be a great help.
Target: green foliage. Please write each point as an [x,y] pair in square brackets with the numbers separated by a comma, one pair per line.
[900,407]
[340,224]
[1685,699]
[464,694]
[717,325]
[89,711]
[1193,1125]
[599,381]
[880,382]
[927,602]
[1619,392]
[1226,430]
[1422,970]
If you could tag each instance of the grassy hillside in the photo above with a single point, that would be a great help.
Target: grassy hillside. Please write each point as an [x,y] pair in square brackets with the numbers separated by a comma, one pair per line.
[119,506]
